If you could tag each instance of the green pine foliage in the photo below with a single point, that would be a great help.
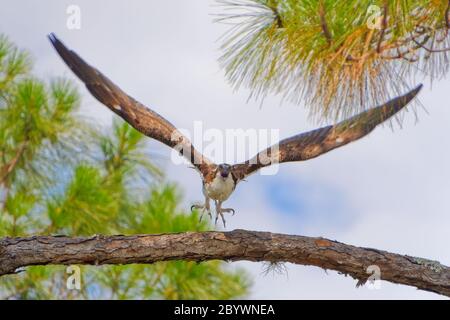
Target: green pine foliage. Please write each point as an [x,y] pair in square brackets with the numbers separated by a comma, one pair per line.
[338,57]
[58,175]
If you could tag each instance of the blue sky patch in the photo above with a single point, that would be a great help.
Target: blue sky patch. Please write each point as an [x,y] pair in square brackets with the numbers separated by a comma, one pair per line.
[310,201]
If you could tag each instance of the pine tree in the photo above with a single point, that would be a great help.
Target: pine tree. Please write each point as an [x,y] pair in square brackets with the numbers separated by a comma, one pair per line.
[338,57]
[59,175]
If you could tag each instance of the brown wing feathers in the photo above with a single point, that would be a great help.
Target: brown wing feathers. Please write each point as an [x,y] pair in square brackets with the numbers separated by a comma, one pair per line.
[141,118]
[314,143]
[301,147]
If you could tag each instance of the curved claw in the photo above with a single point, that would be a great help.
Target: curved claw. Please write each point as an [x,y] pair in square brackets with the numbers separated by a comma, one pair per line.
[192,207]
[225,210]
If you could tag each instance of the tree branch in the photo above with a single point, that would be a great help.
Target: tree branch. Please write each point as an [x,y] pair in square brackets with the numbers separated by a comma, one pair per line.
[383,26]
[9,167]
[229,246]
[324,24]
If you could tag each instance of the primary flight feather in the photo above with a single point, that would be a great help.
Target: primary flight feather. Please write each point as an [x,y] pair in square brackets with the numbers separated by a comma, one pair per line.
[220,180]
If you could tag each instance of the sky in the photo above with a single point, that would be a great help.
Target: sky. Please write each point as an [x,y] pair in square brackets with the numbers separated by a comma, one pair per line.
[388,191]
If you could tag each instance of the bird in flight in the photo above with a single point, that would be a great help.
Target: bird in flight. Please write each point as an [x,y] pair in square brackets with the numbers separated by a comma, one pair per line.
[220,180]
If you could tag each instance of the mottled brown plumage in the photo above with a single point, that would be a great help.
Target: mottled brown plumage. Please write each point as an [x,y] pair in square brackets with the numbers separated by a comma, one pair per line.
[136,114]
[314,143]
[219,181]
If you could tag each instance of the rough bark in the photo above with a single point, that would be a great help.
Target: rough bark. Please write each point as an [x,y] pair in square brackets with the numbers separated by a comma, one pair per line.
[229,246]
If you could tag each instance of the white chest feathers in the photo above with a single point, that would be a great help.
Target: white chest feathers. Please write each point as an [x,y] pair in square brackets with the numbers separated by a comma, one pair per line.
[220,189]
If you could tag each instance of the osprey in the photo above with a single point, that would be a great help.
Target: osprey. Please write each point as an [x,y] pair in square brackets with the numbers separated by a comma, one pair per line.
[220,180]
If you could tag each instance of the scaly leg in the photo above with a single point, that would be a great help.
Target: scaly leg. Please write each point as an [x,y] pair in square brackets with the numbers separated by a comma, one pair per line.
[203,208]
[220,211]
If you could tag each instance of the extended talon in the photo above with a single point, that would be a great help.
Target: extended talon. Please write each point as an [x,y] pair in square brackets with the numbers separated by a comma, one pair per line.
[229,210]
[203,209]
[209,214]
[221,212]
[223,220]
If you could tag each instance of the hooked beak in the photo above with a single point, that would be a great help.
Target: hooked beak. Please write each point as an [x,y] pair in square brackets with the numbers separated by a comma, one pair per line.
[224,174]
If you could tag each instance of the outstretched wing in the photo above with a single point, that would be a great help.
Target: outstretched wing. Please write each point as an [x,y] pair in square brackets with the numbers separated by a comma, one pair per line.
[141,118]
[314,143]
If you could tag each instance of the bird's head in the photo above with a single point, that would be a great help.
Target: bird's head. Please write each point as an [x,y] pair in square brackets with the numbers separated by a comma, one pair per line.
[223,170]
